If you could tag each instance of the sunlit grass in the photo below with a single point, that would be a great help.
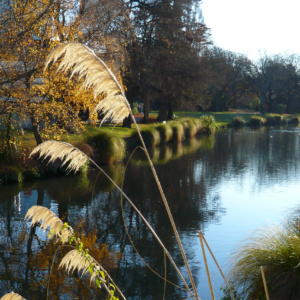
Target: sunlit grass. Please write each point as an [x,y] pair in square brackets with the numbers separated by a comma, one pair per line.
[108,147]
[150,136]
[165,132]
[190,127]
[178,131]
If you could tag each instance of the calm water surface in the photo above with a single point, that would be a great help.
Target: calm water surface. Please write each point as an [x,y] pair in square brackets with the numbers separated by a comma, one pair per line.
[227,186]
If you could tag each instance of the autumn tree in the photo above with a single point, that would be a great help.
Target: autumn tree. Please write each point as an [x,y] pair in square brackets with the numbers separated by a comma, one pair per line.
[30,29]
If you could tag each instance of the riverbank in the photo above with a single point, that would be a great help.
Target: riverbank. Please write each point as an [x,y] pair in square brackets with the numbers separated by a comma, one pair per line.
[110,144]
[106,145]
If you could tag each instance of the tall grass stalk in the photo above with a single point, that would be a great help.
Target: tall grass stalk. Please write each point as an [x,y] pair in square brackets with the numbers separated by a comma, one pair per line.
[265,282]
[78,258]
[206,267]
[52,155]
[80,60]
[201,236]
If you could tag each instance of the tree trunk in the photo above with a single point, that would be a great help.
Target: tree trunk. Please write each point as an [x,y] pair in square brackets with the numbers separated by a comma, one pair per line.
[170,111]
[35,129]
[127,122]
[146,112]
[163,111]
[262,104]
[9,155]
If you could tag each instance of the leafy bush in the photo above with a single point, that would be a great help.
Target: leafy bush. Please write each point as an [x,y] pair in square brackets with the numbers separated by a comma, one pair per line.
[255,103]
[279,108]
[209,123]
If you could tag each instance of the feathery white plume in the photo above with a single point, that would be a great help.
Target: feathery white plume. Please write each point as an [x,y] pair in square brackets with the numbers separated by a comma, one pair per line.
[113,107]
[82,61]
[75,260]
[12,296]
[67,153]
[46,218]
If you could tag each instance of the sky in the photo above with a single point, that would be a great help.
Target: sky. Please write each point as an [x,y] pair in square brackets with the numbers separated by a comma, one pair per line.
[254,27]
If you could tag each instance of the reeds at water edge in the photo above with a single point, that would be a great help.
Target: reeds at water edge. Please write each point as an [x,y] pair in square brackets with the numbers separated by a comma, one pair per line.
[277,250]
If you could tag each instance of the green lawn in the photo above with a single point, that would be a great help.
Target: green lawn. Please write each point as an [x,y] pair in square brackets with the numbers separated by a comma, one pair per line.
[222,118]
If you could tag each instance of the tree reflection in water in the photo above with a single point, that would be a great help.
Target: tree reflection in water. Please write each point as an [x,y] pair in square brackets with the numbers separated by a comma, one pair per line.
[190,174]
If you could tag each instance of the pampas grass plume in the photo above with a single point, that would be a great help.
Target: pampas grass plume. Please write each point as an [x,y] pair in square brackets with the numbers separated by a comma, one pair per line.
[67,153]
[46,218]
[97,76]
[12,296]
[75,260]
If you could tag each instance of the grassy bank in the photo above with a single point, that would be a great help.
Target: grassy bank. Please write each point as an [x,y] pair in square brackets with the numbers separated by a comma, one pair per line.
[110,144]
[223,119]
[106,144]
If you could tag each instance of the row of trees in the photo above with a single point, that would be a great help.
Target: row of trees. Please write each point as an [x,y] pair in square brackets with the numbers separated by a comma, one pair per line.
[160,49]
[269,85]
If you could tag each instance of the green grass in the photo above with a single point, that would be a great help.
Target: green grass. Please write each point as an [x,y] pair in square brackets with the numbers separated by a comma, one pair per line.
[256,121]
[238,122]
[165,132]
[190,127]
[108,148]
[277,249]
[178,131]
[150,136]
[222,118]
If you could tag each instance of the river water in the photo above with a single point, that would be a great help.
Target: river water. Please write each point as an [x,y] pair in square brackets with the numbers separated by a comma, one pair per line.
[228,186]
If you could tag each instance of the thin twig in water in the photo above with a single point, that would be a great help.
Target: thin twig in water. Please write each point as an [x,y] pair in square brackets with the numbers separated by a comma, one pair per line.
[206,268]
[212,255]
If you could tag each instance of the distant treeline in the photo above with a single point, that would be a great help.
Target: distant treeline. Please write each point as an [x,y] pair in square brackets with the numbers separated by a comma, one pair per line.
[160,50]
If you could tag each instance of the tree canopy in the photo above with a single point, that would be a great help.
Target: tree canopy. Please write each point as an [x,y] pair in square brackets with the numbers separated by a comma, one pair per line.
[159,49]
